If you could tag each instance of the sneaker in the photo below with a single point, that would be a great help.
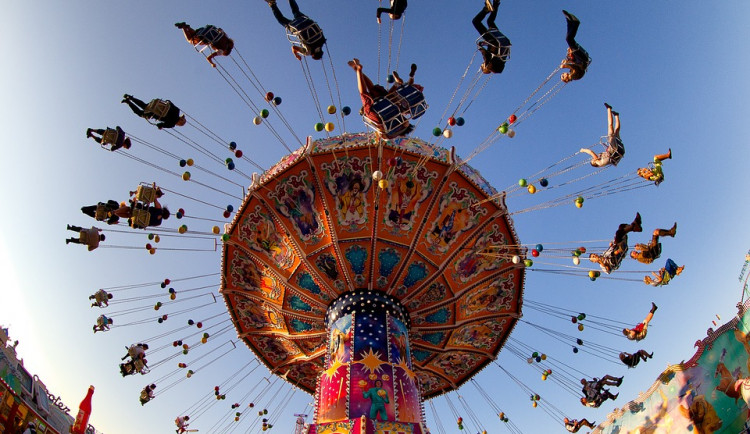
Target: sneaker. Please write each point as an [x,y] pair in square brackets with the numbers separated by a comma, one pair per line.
[615,396]
[619,381]
[67,241]
[614,113]
[88,133]
[180,25]
[125,98]
[651,356]
[607,106]
[68,228]
[413,70]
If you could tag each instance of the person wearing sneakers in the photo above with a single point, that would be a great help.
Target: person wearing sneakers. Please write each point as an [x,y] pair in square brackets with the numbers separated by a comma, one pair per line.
[165,112]
[610,260]
[632,360]
[615,149]
[89,237]
[120,140]
[654,171]
[495,46]
[311,39]
[638,332]
[211,36]
[575,424]
[577,60]
[647,253]
[395,11]
[664,275]
[370,92]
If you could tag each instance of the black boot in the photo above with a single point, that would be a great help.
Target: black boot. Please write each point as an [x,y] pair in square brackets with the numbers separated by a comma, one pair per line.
[653,307]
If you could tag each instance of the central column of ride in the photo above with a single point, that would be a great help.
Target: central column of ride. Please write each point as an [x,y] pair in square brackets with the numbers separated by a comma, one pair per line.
[368,386]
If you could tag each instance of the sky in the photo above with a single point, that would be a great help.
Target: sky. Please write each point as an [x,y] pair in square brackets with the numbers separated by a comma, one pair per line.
[674,70]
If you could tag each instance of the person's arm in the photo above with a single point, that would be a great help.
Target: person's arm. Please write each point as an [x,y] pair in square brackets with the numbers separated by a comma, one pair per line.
[298,52]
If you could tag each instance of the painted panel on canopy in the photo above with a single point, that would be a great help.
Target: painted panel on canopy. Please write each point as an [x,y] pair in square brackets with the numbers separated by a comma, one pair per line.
[356,255]
[312,345]
[430,295]
[303,374]
[414,275]
[253,314]
[297,325]
[455,215]
[419,146]
[431,383]
[456,365]
[483,335]
[403,202]
[259,233]
[245,273]
[274,350]
[387,262]
[329,269]
[295,199]
[307,283]
[295,302]
[473,263]
[428,338]
[348,190]
[497,296]
[442,316]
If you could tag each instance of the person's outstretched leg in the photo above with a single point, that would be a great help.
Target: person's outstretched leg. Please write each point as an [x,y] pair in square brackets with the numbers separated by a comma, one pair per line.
[610,126]
[493,14]
[650,315]
[477,21]
[572,29]
[75,228]
[136,105]
[277,13]
[662,157]
[617,124]
[295,9]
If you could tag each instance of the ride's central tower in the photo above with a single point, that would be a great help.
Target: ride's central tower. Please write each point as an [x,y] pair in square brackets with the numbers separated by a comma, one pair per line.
[368,384]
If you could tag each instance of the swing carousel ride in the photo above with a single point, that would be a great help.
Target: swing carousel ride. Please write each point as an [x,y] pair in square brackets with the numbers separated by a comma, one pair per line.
[370,270]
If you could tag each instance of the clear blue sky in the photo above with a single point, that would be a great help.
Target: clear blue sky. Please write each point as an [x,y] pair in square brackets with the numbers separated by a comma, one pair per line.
[674,70]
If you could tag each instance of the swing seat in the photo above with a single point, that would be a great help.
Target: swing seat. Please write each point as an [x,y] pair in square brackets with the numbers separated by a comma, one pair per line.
[499,43]
[102,212]
[611,261]
[140,218]
[209,35]
[410,99]
[304,32]
[114,137]
[145,193]
[158,108]
[616,152]
[391,119]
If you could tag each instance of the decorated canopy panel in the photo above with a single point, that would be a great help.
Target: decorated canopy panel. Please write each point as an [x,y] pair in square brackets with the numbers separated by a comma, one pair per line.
[402,217]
